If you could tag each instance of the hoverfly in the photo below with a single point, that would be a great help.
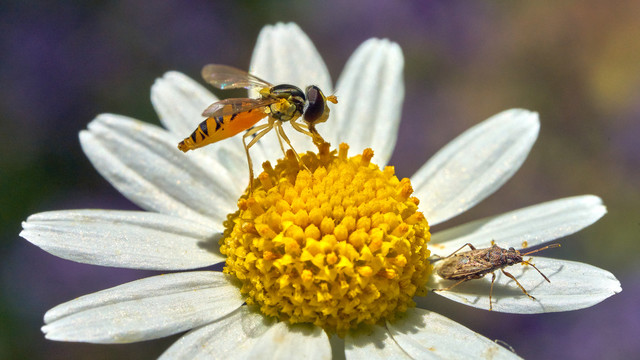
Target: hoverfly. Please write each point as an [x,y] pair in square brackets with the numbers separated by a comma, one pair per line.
[476,263]
[279,103]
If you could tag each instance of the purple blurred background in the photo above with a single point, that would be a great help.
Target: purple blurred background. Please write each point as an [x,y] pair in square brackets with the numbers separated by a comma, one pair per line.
[577,63]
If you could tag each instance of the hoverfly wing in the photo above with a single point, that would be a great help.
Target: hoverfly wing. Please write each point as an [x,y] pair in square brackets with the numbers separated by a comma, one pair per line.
[235,106]
[227,77]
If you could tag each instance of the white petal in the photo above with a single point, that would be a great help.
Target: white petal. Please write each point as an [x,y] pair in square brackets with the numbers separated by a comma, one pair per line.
[179,102]
[126,239]
[475,164]
[424,334]
[370,93]
[231,337]
[145,309]
[299,341]
[573,286]
[143,163]
[284,54]
[523,228]
[372,343]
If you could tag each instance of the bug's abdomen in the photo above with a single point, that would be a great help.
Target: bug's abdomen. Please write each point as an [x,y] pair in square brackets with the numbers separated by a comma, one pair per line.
[461,267]
[214,129]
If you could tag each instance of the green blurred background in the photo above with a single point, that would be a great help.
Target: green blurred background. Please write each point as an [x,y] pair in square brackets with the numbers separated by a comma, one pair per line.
[575,62]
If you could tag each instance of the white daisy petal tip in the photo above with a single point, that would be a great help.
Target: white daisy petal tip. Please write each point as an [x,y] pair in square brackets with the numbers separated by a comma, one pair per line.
[523,228]
[526,118]
[524,122]
[521,114]
[475,164]
[571,286]
[179,101]
[443,338]
[162,86]
[100,122]
[371,93]
[145,309]
[596,201]
[529,122]
[143,162]
[284,54]
[125,239]
[303,64]
[381,47]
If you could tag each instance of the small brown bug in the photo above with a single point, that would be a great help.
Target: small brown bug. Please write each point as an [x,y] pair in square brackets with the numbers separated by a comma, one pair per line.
[476,263]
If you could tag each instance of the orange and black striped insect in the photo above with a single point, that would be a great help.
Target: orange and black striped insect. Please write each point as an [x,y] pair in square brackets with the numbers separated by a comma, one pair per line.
[279,103]
[476,263]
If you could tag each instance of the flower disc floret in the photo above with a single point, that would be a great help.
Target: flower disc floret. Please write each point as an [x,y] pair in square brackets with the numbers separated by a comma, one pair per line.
[336,246]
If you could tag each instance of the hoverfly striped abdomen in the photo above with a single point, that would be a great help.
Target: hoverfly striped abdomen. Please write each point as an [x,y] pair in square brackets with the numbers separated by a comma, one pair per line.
[197,136]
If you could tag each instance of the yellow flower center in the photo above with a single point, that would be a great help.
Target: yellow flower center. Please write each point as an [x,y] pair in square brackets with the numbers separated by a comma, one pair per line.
[338,246]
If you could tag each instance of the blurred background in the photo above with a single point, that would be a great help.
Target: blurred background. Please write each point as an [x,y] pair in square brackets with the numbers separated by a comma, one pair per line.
[575,62]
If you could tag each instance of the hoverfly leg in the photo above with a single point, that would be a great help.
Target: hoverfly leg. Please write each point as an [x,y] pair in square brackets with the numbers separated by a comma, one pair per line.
[257,132]
[260,130]
[280,132]
[309,130]
[278,127]
[301,127]
[253,134]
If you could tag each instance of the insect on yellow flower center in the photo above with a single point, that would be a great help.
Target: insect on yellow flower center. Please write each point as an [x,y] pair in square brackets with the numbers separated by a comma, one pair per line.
[342,245]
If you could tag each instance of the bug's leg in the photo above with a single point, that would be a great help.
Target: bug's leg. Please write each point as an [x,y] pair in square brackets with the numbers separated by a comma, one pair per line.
[452,286]
[280,132]
[520,286]
[529,263]
[493,278]
[260,130]
[467,244]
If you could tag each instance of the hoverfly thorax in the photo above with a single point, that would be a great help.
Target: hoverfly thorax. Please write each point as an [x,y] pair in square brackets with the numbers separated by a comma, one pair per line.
[293,105]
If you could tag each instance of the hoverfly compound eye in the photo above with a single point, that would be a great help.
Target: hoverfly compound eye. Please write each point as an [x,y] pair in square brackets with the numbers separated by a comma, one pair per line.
[316,106]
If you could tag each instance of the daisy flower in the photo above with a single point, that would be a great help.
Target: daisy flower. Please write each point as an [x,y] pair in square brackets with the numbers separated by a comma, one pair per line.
[342,250]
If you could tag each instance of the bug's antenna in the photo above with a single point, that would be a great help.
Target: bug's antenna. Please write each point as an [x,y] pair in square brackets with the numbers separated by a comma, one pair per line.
[542,248]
